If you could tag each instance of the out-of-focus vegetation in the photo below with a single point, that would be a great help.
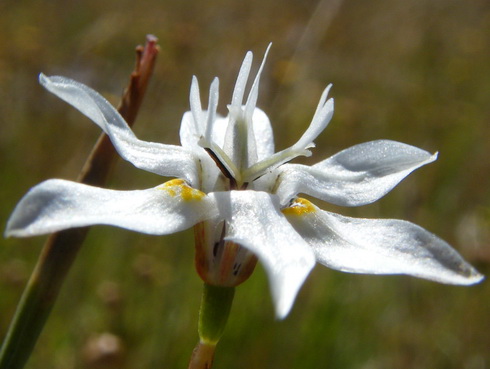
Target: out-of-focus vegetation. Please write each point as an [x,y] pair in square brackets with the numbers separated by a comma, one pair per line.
[412,71]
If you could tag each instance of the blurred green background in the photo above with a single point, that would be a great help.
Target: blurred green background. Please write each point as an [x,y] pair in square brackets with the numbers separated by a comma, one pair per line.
[412,71]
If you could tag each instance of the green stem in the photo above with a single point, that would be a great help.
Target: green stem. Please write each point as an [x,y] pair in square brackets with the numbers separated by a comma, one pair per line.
[39,296]
[215,309]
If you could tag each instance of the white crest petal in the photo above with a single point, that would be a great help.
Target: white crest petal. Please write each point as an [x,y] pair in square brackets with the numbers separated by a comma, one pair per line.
[320,120]
[264,138]
[57,204]
[255,222]
[212,108]
[166,160]
[241,82]
[356,176]
[198,128]
[382,246]
[254,90]
[322,117]
[196,109]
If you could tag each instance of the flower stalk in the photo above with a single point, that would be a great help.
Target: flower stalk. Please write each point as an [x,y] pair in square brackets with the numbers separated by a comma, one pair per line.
[215,308]
[202,356]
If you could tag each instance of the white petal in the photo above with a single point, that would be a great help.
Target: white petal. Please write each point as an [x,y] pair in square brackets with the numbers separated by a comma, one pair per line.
[320,120]
[264,137]
[322,117]
[356,176]
[196,109]
[219,130]
[56,204]
[241,81]
[381,246]
[166,160]
[212,108]
[254,90]
[192,127]
[189,136]
[254,221]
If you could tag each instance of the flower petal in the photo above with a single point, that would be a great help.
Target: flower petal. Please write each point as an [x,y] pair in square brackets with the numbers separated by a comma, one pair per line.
[356,176]
[264,137]
[255,222]
[378,246]
[57,204]
[254,90]
[165,160]
[196,109]
[241,81]
[322,117]
[320,120]
[189,137]
[212,108]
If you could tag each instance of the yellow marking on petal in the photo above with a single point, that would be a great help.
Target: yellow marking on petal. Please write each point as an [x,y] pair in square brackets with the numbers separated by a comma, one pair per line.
[174,182]
[299,206]
[189,193]
[171,192]
[177,187]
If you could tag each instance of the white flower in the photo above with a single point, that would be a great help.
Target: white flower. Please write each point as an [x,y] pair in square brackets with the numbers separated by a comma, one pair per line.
[242,197]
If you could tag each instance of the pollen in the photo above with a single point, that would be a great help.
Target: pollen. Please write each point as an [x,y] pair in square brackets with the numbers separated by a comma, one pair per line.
[178,187]
[298,207]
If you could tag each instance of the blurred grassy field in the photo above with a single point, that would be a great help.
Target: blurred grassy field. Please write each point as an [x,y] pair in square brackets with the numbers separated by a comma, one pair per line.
[412,71]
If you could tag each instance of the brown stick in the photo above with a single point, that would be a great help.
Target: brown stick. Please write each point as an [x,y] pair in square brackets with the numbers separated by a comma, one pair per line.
[61,248]
[101,159]
[202,356]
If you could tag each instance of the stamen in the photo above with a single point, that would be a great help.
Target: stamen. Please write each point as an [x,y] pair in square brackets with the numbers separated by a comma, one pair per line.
[222,167]
[279,158]
[320,120]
